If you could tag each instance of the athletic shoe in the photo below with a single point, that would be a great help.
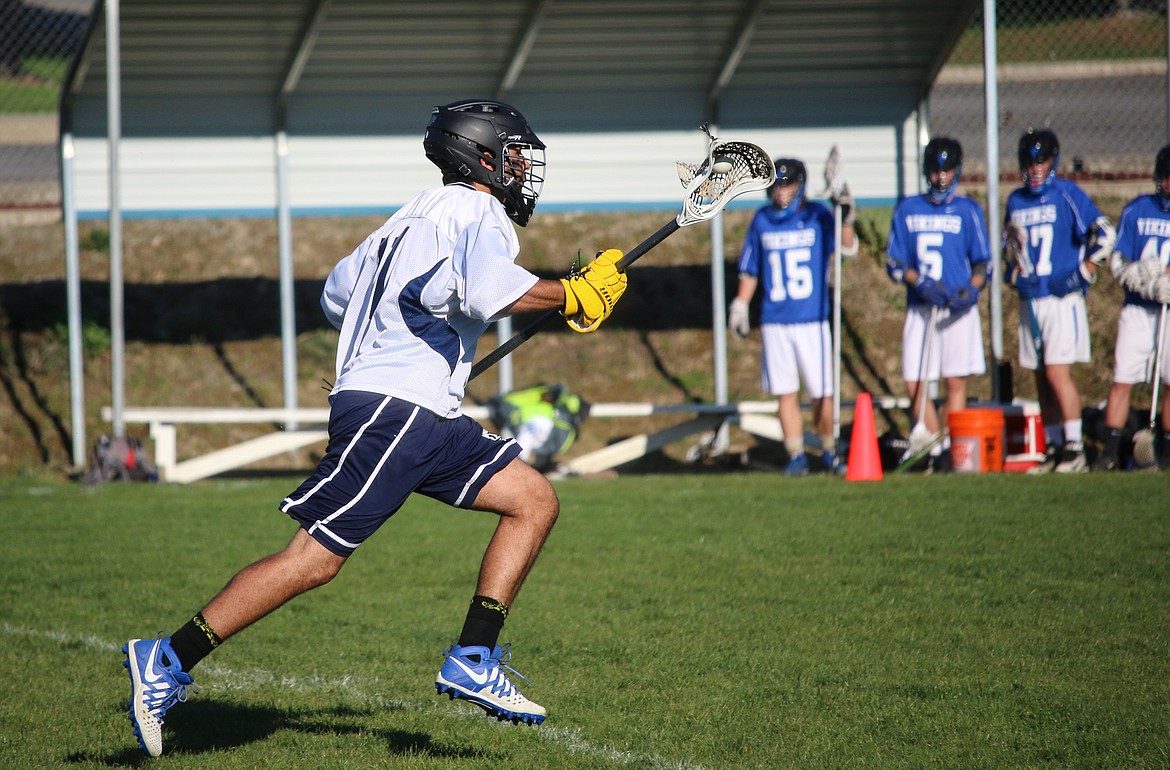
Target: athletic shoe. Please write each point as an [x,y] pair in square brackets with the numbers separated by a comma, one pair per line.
[157,682]
[477,674]
[829,460]
[1048,464]
[942,462]
[1105,462]
[797,466]
[1072,459]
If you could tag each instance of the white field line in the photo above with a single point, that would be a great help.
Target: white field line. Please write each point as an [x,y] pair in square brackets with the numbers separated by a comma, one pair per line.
[223,678]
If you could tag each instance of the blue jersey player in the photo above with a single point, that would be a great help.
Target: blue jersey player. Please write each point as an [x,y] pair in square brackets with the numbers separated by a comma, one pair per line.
[1055,238]
[1140,263]
[411,302]
[938,248]
[787,253]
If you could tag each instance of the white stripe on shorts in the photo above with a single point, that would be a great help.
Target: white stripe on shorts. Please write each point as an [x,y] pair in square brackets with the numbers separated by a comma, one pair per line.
[369,479]
[479,472]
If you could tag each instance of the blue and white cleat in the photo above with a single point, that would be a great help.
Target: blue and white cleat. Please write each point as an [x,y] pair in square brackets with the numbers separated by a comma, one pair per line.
[477,674]
[157,682]
[797,466]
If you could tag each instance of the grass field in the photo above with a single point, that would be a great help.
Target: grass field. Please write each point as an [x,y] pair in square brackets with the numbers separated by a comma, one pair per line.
[673,621]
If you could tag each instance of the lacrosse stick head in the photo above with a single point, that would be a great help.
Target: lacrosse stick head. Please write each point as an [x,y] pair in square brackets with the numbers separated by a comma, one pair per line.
[729,170]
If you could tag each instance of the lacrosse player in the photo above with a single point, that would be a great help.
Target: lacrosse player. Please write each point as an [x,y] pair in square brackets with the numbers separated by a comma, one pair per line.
[411,302]
[1140,265]
[788,248]
[938,248]
[1055,238]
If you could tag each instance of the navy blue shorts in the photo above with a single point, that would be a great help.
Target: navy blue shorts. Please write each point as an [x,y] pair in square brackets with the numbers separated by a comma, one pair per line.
[381,449]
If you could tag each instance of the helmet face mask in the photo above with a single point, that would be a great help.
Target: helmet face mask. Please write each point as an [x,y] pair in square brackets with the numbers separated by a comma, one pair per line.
[942,156]
[489,142]
[790,173]
[1161,176]
[1036,148]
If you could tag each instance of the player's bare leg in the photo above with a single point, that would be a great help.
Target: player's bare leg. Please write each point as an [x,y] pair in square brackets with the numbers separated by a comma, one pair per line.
[528,508]
[792,425]
[1068,401]
[260,588]
[822,417]
[1116,414]
[473,669]
[160,668]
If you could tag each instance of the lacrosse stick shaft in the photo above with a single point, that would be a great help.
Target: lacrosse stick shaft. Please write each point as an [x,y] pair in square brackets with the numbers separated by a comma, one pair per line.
[1157,368]
[529,331]
[837,228]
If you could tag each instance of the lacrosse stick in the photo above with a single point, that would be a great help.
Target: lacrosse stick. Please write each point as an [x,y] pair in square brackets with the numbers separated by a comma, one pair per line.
[1143,440]
[922,440]
[729,170]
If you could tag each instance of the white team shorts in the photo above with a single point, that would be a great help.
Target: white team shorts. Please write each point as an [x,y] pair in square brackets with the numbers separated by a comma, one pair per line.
[958,344]
[1064,330]
[1137,335]
[795,353]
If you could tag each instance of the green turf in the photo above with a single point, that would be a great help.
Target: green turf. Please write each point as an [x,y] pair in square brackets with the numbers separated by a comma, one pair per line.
[706,621]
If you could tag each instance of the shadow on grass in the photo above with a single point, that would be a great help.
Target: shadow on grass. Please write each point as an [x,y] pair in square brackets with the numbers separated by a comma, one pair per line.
[208,726]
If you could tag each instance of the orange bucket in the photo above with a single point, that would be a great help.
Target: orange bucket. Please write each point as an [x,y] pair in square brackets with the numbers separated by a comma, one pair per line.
[976,440]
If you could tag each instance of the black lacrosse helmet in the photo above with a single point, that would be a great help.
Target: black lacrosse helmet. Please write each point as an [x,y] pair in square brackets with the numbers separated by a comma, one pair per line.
[485,141]
[942,154]
[789,171]
[1161,172]
[1037,146]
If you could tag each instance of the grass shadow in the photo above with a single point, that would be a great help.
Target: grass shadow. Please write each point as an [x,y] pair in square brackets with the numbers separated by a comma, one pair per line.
[206,726]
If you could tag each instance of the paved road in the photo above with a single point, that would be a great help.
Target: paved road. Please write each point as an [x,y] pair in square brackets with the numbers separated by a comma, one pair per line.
[1112,123]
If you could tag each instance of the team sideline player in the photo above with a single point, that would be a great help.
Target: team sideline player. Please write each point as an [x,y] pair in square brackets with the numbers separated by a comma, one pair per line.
[1055,238]
[411,303]
[787,249]
[1139,264]
[938,249]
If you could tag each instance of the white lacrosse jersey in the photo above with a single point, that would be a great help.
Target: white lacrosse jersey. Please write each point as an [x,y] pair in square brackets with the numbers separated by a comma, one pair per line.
[413,299]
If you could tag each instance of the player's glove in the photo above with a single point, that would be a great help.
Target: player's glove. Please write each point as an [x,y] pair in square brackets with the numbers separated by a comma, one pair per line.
[844,199]
[1013,244]
[591,294]
[932,291]
[1028,286]
[1160,289]
[1073,280]
[1099,243]
[737,319]
[964,298]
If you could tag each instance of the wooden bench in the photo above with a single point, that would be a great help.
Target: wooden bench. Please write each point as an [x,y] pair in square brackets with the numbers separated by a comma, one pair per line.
[755,417]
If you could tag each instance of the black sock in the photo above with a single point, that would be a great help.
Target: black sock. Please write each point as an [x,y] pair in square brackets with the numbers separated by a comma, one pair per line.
[1112,442]
[485,620]
[194,641]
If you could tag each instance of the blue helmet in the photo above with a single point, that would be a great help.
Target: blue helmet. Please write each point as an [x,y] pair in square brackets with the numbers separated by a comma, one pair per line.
[789,171]
[942,154]
[1037,147]
[1161,172]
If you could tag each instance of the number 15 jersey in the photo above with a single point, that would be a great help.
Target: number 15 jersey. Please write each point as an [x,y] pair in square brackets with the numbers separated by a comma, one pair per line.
[790,258]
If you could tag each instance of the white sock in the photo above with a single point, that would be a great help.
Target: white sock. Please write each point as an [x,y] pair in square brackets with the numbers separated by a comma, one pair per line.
[1072,431]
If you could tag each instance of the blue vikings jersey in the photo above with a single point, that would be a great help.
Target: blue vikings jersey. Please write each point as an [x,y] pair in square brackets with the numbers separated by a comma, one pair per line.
[1143,233]
[790,259]
[942,241]
[1056,225]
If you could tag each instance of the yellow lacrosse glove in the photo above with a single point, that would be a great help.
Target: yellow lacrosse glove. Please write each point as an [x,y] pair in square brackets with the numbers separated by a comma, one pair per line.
[591,294]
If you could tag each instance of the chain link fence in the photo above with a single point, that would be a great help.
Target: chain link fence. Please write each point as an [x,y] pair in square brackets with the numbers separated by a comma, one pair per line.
[1092,71]
[38,40]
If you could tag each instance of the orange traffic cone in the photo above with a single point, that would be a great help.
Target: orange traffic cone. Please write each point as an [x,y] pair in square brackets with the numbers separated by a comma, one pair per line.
[865,462]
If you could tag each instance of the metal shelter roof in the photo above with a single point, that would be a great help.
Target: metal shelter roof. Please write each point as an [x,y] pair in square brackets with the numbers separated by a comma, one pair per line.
[366,67]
